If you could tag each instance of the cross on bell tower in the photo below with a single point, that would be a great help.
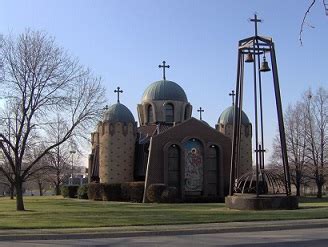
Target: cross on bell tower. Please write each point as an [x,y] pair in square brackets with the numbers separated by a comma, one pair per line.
[118,91]
[164,66]
[255,20]
[232,94]
[200,110]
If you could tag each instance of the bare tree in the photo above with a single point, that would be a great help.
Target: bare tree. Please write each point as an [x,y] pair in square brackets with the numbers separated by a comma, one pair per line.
[296,145]
[306,125]
[41,83]
[58,159]
[316,107]
[307,12]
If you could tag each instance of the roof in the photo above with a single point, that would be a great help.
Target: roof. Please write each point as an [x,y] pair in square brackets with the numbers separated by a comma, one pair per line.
[118,113]
[164,90]
[227,116]
[153,129]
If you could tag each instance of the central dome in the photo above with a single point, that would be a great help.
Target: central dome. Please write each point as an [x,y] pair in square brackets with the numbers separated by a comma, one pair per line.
[164,90]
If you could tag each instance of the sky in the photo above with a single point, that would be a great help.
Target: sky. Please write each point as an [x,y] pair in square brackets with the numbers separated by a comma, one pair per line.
[124,41]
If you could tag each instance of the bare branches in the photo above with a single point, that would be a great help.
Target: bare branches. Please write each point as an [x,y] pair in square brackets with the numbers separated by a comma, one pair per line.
[43,85]
[304,19]
[306,125]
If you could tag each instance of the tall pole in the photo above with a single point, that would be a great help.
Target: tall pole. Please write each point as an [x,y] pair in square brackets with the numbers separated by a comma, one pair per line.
[72,153]
[235,128]
[280,121]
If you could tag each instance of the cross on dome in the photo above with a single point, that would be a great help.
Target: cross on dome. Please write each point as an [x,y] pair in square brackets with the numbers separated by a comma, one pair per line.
[232,94]
[118,91]
[164,66]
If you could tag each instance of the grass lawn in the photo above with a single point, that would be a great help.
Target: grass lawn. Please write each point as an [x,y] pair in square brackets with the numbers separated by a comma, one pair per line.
[57,212]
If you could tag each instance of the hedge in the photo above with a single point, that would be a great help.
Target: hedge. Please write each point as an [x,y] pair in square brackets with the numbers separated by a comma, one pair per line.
[132,191]
[154,192]
[112,192]
[95,191]
[169,195]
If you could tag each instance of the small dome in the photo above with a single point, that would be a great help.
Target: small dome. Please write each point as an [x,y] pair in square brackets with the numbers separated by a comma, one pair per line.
[226,116]
[164,90]
[118,113]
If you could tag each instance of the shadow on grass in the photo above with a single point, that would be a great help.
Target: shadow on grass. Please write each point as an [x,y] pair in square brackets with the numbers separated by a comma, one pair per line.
[311,207]
[312,199]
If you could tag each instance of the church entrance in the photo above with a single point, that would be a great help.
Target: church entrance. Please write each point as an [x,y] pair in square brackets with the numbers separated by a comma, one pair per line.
[194,167]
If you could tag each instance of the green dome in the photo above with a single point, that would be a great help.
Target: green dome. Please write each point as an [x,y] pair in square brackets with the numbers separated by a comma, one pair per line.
[118,113]
[164,90]
[226,117]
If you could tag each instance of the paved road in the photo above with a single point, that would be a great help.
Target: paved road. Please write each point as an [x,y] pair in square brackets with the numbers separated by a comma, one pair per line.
[300,237]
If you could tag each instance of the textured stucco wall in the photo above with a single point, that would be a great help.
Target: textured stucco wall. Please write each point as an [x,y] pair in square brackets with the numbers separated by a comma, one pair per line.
[116,152]
[245,146]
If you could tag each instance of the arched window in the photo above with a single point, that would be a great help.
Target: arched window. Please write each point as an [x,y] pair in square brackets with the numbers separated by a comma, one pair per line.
[186,112]
[212,170]
[174,175]
[169,113]
[150,117]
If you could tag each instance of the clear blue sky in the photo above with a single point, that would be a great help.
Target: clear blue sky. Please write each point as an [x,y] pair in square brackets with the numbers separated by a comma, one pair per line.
[123,41]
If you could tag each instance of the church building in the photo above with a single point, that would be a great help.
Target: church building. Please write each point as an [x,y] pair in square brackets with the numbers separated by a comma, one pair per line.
[168,146]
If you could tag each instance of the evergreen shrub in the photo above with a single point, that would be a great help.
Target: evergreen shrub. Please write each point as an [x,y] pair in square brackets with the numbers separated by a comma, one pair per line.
[154,192]
[112,192]
[95,191]
[169,195]
[132,191]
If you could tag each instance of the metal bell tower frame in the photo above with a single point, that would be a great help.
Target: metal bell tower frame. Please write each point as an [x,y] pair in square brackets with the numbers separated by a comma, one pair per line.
[250,50]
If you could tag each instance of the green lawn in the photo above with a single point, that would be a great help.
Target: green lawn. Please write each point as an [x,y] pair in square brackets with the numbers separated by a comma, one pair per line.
[56,212]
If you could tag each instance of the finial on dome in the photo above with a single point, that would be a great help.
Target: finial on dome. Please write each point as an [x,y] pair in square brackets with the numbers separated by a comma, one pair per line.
[232,94]
[164,66]
[118,91]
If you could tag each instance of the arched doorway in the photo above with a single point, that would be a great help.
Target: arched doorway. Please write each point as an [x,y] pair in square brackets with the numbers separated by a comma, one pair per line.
[194,167]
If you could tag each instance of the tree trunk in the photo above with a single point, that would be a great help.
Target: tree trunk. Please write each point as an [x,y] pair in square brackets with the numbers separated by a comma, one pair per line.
[298,183]
[40,189]
[57,187]
[298,189]
[12,191]
[19,196]
[319,193]
[57,184]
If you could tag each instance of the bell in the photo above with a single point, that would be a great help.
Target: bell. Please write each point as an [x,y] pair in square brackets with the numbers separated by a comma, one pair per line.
[264,66]
[249,58]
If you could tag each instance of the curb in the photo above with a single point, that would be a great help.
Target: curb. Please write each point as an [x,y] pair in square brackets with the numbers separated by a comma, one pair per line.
[183,230]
